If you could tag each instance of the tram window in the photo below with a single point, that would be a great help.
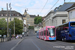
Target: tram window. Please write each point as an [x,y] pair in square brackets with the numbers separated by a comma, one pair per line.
[66,29]
[44,33]
[62,28]
[59,28]
[47,33]
[66,25]
[41,33]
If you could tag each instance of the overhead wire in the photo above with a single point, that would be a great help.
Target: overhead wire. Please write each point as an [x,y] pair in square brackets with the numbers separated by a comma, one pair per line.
[70,0]
[53,5]
[44,6]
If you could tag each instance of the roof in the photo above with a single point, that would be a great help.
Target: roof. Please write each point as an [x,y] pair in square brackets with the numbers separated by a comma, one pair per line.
[70,8]
[12,12]
[64,6]
[50,12]
[32,16]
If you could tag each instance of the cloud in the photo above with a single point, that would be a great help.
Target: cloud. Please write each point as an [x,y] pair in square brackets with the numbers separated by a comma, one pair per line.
[34,6]
[18,5]
[2,4]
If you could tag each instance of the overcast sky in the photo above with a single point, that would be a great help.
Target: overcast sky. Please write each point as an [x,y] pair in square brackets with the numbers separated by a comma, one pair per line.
[34,6]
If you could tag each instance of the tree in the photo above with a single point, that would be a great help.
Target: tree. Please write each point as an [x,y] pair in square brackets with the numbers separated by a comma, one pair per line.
[37,20]
[3,27]
[31,27]
[18,26]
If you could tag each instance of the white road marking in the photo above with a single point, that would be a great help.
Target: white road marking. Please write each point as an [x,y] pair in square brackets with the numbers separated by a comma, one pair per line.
[36,45]
[17,44]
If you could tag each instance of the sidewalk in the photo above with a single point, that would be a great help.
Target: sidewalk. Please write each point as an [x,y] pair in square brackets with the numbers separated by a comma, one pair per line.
[3,40]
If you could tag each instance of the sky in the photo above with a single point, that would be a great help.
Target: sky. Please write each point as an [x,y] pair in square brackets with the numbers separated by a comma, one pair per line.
[33,7]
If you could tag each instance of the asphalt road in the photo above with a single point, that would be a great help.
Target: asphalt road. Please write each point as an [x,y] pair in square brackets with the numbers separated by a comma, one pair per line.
[32,43]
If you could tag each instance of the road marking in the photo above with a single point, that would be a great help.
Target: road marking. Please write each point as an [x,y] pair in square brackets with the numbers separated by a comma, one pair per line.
[36,45]
[17,44]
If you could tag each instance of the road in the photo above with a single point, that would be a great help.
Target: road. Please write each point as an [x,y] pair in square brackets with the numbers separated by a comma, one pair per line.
[32,43]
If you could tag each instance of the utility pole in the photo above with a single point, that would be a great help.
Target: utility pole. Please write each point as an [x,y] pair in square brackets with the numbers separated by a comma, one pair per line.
[10,10]
[14,26]
[64,1]
[7,23]
[23,25]
[10,19]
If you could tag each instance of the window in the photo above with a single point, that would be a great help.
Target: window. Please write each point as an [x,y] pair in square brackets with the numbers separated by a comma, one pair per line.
[44,33]
[9,14]
[51,31]
[6,15]
[17,14]
[14,14]
[47,33]
[1,14]
[63,21]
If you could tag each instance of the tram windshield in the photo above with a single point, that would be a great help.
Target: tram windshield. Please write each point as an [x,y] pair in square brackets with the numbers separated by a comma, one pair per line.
[51,31]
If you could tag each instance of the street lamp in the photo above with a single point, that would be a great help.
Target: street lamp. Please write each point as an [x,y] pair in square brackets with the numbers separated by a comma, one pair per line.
[10,10]
[10,17]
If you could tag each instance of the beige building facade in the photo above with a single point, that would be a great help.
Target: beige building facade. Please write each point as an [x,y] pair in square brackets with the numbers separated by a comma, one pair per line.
[29,19]
[59,15]
[71,13]
[14,14]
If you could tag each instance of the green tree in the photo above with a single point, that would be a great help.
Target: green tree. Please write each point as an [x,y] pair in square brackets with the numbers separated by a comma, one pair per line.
[31,27]
[18,26]
[37,20]
[3,26]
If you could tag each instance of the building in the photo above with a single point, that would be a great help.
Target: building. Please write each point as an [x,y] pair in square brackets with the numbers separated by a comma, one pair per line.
[29,19]
[11,15]
[58,16]
[71,13]
[48,19]
[43,22]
